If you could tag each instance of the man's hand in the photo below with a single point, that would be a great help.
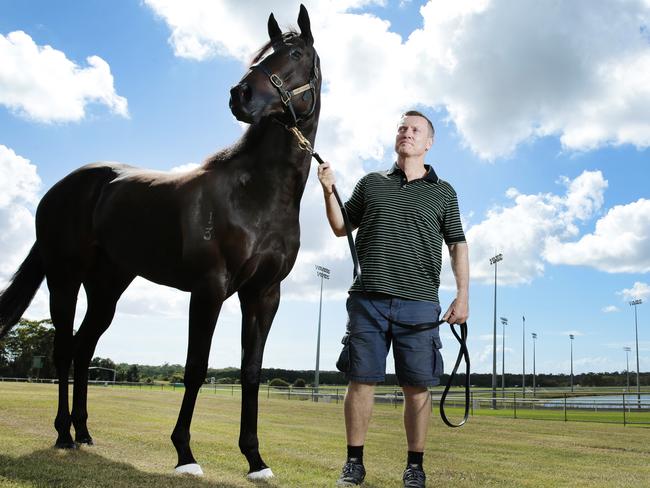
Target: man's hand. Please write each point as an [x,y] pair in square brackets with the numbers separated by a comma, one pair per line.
[326,178]
[457,313]
[334,215]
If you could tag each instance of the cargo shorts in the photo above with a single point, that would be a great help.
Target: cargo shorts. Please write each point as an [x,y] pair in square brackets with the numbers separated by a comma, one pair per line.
[369,337]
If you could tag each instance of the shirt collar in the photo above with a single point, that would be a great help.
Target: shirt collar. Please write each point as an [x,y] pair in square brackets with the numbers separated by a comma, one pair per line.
[431,175]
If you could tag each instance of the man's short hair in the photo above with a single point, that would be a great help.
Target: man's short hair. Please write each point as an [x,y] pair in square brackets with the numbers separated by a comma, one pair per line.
[417,113]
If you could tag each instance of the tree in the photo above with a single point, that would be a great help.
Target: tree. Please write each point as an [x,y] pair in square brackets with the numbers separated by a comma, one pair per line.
[133,375]
[177,377]
[29,339]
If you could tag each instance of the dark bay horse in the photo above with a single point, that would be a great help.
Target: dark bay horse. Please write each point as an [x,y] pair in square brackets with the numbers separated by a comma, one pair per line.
[229,226]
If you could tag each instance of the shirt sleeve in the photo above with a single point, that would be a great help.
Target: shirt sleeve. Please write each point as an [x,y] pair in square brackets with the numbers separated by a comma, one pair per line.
[355,206]
[452,228]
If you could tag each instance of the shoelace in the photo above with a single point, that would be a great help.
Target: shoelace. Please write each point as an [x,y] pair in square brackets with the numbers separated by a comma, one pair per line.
[414,474]
[352,468]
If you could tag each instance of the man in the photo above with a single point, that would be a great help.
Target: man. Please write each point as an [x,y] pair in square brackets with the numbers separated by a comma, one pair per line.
[402,215]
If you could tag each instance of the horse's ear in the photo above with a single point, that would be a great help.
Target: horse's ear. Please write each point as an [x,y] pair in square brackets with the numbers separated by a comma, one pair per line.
[274,29]
[305,25]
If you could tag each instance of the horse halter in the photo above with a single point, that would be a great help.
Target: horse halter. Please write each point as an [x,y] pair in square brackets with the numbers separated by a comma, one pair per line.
[287,95]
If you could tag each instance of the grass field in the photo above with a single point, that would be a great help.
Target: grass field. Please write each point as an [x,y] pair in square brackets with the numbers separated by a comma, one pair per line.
[304,444]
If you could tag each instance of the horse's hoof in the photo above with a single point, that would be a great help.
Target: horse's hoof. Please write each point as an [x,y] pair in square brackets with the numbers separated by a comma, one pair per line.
[262,474]
[66,445]
[192,468]
[85,440]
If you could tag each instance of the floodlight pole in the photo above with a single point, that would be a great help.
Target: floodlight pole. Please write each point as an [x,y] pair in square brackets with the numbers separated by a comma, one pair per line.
[534,380]
[323,273]
[504,322]
[634,304]
[523,361]
[494,260]
[627,350]
[571,336]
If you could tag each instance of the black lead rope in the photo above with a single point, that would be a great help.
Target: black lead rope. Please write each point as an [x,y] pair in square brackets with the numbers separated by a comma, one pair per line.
[463,353]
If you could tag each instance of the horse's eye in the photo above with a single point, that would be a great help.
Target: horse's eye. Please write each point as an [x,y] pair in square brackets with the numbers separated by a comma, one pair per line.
[295,54]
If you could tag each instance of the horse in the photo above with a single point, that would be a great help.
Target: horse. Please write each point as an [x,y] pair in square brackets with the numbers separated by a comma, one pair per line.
[230,225]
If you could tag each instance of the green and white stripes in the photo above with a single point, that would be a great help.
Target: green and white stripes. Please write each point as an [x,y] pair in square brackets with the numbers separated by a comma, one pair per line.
[401,229]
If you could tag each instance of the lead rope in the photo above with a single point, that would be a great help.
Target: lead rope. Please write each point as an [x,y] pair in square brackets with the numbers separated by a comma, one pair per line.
[463,353]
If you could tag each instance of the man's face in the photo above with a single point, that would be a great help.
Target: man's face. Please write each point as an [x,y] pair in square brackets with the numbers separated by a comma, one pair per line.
[413,137]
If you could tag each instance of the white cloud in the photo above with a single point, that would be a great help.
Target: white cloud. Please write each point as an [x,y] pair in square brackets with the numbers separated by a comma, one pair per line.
[581,72]
[19,186]
[20,181]
[610,309]
[619,244]
[41,83]
[520,231]
[639,290]
[184,168]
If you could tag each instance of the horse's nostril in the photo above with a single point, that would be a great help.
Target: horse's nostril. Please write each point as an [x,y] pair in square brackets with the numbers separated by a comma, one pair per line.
[246,92]
[241,93]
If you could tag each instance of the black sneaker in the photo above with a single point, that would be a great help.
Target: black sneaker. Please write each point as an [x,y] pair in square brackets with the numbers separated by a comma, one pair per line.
[352,474]
[414,476]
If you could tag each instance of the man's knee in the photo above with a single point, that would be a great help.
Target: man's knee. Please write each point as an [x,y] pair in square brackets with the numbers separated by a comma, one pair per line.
[414,392]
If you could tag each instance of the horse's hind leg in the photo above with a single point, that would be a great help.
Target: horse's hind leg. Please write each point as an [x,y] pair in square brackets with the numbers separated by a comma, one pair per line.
[63,301]
[204,310]
[258,311]
[104,285]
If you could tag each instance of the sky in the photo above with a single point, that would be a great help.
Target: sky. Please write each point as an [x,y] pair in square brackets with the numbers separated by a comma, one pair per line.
[542,127]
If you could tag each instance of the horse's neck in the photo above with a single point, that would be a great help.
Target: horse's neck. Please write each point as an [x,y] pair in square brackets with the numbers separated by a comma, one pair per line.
[275,148]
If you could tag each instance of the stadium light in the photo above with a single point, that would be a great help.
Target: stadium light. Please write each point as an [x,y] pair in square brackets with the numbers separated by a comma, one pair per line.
[635,303]
[534,334]
[323,274]
[493,261]
[627,350]
[571,336]
[504,322]
[523,359]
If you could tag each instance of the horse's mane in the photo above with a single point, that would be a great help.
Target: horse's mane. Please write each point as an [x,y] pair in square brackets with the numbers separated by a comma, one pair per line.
[286,37]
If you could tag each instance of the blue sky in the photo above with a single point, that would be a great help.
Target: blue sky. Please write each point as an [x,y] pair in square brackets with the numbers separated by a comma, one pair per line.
[541,127]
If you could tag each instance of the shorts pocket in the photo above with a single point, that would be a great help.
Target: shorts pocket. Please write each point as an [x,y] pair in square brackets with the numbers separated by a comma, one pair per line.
[438,364]
[343,363]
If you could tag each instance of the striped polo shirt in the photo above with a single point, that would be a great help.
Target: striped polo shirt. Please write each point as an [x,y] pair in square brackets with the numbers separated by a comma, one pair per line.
[401,227]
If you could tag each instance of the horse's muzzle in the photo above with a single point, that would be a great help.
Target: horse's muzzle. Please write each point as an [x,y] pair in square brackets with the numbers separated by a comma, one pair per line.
[240,97]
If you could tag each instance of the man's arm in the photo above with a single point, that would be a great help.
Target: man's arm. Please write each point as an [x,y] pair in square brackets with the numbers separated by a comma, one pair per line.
[458,311]
[334,215]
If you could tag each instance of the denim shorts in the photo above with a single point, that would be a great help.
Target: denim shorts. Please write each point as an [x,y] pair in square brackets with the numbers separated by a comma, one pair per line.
[369,336]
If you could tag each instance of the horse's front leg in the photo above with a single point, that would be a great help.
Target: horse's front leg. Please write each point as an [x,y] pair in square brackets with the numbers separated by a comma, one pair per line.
[258,309]
[204,310]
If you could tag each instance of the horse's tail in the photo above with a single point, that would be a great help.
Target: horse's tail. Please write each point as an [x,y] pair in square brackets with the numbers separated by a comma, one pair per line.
[15,299]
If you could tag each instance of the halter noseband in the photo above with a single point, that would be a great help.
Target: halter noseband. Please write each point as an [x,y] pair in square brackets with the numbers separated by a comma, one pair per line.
[287,95]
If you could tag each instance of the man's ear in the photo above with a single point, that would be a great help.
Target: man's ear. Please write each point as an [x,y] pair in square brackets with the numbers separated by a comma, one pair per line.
[429,143]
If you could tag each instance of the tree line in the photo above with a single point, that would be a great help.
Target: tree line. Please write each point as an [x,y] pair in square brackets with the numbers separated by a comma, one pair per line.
[26,352]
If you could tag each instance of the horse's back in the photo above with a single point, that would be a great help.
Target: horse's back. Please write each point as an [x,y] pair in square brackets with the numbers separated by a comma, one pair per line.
[64,214]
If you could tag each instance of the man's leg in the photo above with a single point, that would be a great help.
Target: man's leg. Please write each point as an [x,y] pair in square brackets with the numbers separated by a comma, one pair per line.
[357,407]
[358,403]
[417,411]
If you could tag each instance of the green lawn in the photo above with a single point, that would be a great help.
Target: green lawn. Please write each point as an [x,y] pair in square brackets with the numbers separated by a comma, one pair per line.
[304,444]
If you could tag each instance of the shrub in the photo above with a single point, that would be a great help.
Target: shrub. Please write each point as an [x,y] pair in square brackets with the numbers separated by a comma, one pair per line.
[278,382]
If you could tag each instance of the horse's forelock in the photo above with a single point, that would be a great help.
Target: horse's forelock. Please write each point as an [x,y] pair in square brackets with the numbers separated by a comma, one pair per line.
[287,37]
